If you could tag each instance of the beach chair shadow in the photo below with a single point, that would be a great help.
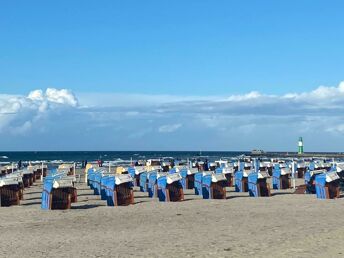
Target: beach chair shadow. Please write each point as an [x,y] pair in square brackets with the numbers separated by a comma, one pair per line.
[26,193]
[138,202]
[189,194]
[86,206]
[86,194]
[281,193]
[142,197]
[35,198]
[236,196]
[191,199]
[30,203]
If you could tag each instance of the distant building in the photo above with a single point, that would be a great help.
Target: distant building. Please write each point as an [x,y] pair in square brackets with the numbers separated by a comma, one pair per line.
[300,151]
[257,152]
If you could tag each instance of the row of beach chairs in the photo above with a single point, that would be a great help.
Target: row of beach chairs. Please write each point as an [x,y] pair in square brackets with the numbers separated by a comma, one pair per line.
[13,182]
[116,189]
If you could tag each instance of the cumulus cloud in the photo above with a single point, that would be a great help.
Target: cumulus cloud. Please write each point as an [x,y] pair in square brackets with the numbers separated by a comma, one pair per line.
[19,114]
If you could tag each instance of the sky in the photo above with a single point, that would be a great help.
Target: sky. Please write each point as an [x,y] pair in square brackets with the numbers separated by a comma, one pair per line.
[171,75]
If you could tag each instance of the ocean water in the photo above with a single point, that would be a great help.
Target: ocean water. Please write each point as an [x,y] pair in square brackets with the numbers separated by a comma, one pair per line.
[109,155]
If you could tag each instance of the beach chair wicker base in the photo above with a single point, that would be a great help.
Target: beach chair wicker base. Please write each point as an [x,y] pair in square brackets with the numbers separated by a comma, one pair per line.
[10,195]
[300,172]
[26,181]
[174,192]
[229,180]
[123,195]
[285,182]
[21,191]
[61,199]
[332,190]
[73,192]
[137,180]
[244,183]
[218,190]
[263,188]
[190,181]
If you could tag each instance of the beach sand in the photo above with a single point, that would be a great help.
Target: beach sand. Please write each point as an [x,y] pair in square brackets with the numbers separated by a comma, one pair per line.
[284,225]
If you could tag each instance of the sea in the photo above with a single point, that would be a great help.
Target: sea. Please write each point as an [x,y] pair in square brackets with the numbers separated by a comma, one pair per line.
[79,156]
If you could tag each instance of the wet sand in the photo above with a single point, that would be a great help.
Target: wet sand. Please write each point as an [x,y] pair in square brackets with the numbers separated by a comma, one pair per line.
[284,225]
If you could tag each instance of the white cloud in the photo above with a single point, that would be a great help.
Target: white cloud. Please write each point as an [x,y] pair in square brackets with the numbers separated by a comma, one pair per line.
[63,96]
[19,114]
[36,95]
[336,129]
[170,128]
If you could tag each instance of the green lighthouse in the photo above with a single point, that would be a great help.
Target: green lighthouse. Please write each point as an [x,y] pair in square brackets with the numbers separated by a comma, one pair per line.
[300,151]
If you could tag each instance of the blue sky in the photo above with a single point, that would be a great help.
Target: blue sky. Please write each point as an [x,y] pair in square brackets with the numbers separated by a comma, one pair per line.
[126,61]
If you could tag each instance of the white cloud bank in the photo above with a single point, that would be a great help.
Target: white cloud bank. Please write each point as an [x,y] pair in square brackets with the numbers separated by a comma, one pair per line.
[19,113]
[134,121]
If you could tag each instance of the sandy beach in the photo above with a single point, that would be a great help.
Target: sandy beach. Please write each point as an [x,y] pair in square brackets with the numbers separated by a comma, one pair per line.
[284,225]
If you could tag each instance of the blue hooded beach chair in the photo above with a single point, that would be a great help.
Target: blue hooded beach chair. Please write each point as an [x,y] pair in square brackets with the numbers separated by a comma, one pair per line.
[120,190]
[327,185]
[152,184]
[213,186]
[257,181]
[169,187]
[281,177]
